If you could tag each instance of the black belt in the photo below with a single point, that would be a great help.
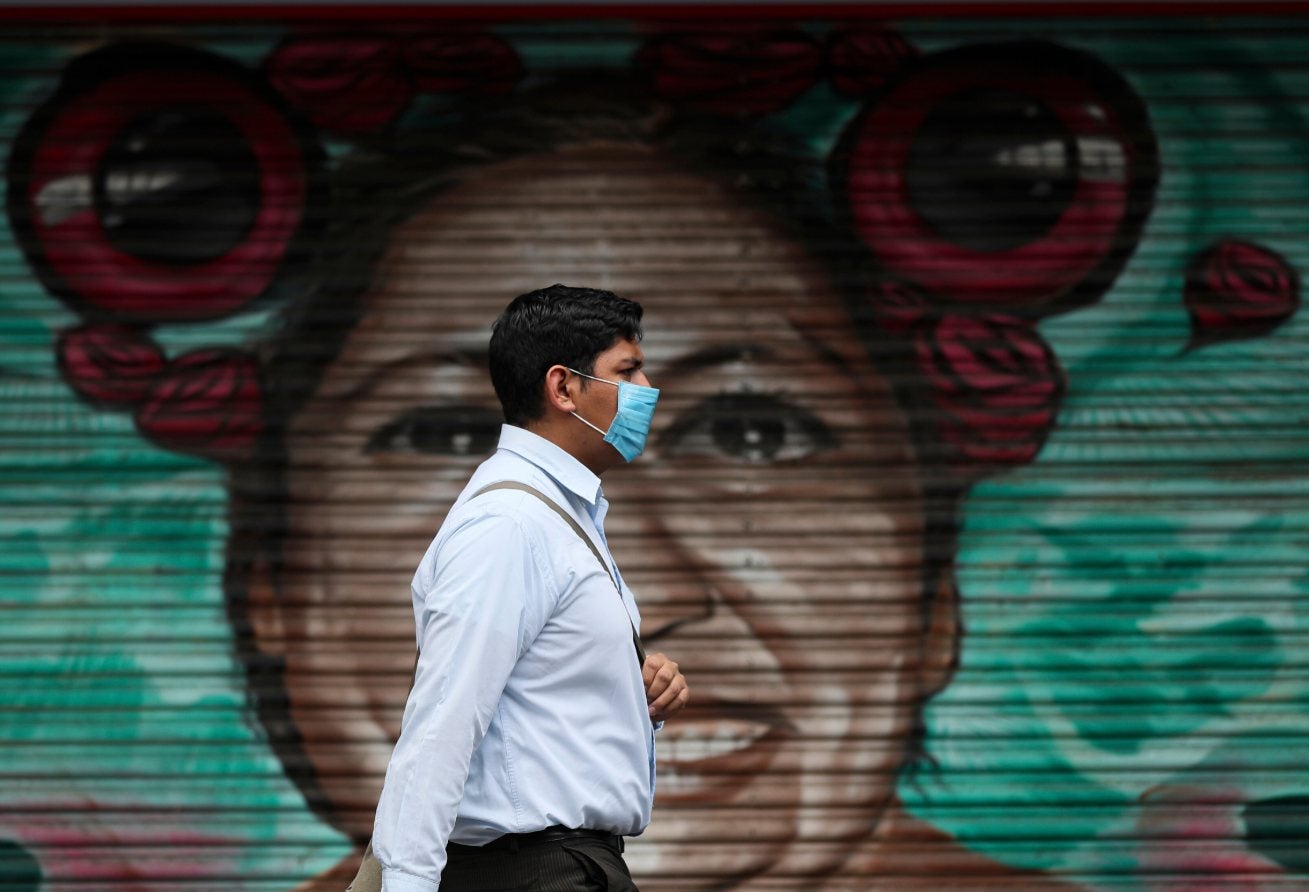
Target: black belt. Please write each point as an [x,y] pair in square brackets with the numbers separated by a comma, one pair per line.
[512,842]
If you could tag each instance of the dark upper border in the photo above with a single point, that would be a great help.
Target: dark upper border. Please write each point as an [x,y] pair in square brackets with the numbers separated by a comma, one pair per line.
[36,12]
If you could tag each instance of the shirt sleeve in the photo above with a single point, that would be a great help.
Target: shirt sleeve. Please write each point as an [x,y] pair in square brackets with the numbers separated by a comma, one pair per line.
[482,604]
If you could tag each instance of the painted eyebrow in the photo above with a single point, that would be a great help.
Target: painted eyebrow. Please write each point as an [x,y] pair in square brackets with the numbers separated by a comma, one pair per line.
[721,354]
[715,355]
[472,357]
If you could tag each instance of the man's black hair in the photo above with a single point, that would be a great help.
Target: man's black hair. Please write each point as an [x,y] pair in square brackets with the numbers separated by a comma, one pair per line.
[559,325]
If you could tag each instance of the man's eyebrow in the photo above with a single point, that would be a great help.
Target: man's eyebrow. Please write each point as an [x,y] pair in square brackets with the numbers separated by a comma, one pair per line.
[714,355]
[478,357]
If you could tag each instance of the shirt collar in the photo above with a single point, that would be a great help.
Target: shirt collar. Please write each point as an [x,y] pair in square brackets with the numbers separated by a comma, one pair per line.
[567,471]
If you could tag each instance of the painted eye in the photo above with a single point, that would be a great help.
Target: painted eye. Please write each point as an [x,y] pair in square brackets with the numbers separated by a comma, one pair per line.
[750,427]
[1015,175]
[459,431]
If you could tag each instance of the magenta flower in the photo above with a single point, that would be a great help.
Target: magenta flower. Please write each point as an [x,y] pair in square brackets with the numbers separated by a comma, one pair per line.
[208,403]
[462,63]
[109,363]
[898,306]
[348,84]
[732,72]
[860,59]
[995,389]
[1238,289]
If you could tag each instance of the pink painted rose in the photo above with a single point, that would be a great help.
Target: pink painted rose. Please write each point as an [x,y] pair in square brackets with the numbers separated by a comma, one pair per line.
[208,403]
[747,72]
[1196,832]
[899,306]
[348,84]
[1237,289]
[111,364]
[462,63]
[84,844]
[860,59]
[995,388]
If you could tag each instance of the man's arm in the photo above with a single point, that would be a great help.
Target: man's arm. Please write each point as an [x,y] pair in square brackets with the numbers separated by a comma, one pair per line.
[478,615]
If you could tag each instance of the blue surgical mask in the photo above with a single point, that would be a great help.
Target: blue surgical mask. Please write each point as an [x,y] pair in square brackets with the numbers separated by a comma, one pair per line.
[631,424]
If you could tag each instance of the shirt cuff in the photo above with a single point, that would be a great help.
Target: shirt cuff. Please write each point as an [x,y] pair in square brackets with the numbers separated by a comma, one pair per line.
[398,881]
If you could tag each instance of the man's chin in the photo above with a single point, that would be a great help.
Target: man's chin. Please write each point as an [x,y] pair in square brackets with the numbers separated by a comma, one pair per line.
[765,855]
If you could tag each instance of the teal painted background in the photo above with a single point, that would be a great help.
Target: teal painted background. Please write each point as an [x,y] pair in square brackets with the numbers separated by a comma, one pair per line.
[1134,599]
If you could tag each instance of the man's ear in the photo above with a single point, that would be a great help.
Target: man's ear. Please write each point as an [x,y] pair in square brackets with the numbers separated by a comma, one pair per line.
[264,611]
[556,389]
[942,635]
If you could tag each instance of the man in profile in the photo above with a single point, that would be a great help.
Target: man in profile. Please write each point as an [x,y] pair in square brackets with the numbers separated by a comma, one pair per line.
[526,752]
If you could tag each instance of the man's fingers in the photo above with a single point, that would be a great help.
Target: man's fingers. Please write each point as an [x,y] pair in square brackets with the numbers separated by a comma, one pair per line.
[657,673]
[666,675]
[665,687]
[655,663]
[678,700]
[675,689]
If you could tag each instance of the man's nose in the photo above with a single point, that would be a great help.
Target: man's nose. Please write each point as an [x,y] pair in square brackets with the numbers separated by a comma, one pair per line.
[640,378]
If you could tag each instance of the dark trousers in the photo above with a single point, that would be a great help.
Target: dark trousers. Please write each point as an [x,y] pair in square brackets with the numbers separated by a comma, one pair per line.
[578,864]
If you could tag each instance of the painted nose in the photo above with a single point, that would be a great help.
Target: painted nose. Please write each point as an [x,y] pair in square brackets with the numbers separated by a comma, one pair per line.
[661,550]
[670,589]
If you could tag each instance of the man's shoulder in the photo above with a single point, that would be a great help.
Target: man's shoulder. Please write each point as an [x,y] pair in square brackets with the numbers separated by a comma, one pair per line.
[487,507]
[498,487]
[484,535]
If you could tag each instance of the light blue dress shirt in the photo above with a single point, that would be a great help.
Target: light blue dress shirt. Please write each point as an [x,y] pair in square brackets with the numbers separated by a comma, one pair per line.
[528,708]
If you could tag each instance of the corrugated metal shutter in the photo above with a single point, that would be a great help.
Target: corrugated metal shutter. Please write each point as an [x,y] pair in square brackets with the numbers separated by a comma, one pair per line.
[975,509]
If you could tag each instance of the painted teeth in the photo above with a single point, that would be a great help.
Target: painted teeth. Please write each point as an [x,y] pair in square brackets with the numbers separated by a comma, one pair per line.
[693,742]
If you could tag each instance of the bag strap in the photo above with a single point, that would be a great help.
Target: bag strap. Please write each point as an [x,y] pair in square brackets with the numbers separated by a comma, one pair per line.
[577,528]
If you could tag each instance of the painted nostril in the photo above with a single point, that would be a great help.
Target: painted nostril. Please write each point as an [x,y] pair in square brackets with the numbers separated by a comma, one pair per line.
[1278,829]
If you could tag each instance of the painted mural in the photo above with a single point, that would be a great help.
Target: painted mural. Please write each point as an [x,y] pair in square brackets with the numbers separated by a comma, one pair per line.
[975,511]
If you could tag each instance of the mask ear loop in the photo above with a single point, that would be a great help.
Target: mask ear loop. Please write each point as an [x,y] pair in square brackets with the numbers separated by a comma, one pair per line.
[590,425]
[592,377]
[579,417]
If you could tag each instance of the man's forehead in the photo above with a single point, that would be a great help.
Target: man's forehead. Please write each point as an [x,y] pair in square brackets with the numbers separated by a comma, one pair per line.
[624,350]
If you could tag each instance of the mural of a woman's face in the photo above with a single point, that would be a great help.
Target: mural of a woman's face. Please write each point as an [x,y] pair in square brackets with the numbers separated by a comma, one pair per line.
[773,531]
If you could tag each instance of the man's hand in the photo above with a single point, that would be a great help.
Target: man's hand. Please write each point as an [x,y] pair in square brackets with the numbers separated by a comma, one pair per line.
[665,687]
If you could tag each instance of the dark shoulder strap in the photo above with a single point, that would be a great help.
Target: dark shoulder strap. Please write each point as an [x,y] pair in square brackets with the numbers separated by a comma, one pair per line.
[577,528]
[558,509]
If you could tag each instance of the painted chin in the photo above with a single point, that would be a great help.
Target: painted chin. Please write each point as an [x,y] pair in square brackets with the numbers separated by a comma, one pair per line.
[713,753]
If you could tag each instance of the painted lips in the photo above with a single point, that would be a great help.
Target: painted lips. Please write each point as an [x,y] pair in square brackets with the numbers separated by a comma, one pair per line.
[717,747]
